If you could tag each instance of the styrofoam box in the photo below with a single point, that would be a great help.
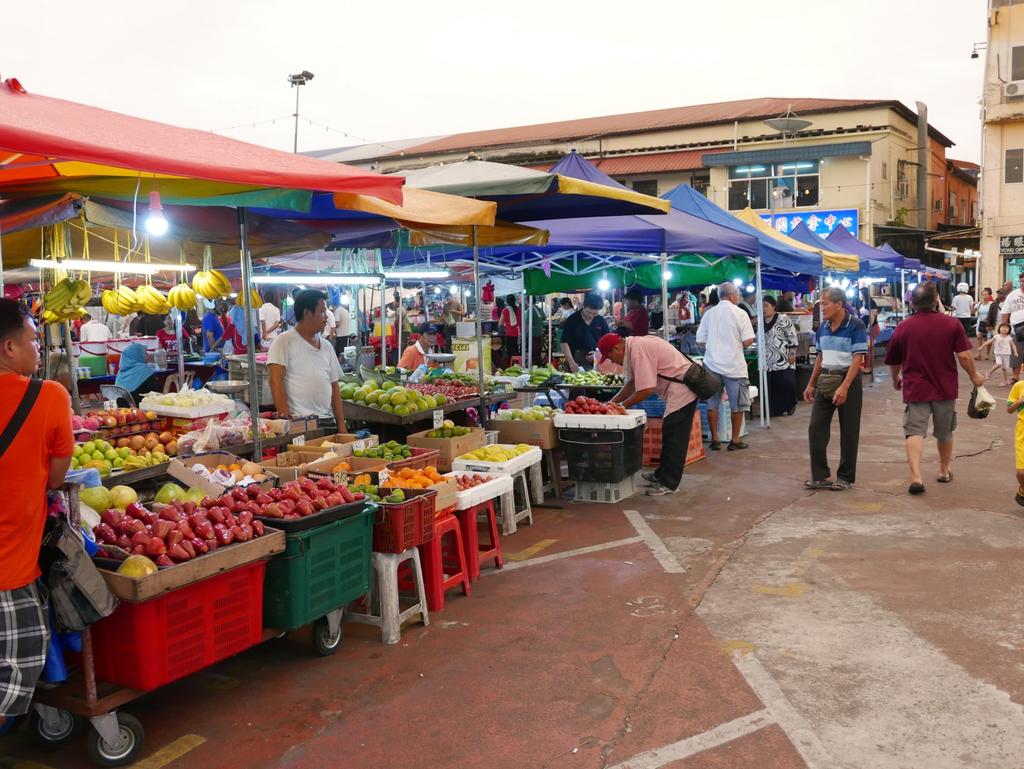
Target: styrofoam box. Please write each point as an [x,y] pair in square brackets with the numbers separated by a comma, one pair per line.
[513,466]
[631,419]
[502,484]
[190,412]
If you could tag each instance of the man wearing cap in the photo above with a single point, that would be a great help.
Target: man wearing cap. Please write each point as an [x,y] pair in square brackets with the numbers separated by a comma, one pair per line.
[653,366]
[963,307]
[1012,312]
[582,330]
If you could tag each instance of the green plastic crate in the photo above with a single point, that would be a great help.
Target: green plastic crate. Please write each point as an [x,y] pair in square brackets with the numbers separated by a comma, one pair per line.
[320,570]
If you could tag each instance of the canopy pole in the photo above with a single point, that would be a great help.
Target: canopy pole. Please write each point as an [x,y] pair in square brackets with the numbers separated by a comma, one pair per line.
[399,309]
[181,352]
[551,336]
[383,323]
[903,294]
[250,336]
[69,346]
[476,322]
[523,358]
[664,296]
[762,375]
[1,263]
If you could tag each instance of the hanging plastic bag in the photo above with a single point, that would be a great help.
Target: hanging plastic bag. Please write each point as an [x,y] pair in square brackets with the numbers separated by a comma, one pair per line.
[984,401]
[973,409]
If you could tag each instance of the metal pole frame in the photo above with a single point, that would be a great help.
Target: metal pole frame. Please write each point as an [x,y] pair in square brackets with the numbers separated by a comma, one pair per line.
[762,374]
[664,296]
[250,335]
[476,322]
[181,353]
[383,323]
[69,347]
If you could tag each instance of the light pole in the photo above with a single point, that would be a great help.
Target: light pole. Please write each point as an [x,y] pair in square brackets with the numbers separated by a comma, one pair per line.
[298,80]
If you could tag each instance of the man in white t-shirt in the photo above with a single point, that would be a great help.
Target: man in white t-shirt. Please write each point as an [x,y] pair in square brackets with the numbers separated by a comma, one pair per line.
[342,328]
[270,322]
[303,369]
[963,307]
[1012,312]
[725,331]
[93,331]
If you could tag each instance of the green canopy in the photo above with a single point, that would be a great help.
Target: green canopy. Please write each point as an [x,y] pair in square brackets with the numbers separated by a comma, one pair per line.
[646,276]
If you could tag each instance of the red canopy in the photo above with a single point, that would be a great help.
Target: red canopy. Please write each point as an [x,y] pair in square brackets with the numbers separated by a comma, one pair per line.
[43,134]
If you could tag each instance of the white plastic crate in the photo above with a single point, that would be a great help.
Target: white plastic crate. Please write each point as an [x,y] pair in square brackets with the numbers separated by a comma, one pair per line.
[502,484]
[631,419]
[511,467]
[606,493]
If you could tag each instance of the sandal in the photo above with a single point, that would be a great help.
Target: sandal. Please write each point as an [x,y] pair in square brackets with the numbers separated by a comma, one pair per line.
[841,486]
[817,484]
[734,446]
[715,446]
[915,488]
[948,478]
[1019,498]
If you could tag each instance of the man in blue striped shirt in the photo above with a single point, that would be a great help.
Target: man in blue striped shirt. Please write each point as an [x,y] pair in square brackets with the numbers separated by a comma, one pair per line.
[842,343]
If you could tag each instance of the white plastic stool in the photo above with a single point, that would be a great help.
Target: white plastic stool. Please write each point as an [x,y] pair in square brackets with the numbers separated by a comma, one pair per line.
[383,609]
[510,515]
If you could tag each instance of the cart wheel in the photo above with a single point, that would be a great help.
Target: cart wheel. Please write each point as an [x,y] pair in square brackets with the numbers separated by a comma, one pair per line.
[53,736]
[324,643]
[125,749]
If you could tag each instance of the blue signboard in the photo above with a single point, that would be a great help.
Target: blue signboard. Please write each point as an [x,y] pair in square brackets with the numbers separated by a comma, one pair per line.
[821,223]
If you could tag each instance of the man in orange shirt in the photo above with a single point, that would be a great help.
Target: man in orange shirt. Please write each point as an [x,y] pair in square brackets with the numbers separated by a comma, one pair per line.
[35,453]
[415,354]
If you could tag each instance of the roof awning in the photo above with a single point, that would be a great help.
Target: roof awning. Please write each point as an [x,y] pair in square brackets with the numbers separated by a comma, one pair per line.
[787,154]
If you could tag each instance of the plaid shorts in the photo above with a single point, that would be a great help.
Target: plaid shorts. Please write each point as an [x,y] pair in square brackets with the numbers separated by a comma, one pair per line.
[23,639]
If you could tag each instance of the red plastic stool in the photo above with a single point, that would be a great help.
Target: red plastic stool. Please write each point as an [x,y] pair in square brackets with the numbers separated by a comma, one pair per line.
[475,552]
[439,560]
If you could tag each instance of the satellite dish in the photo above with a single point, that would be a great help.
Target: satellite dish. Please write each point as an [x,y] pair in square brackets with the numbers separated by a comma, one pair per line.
[787,124]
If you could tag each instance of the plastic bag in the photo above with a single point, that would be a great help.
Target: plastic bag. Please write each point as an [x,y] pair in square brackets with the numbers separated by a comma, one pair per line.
[984,401]
[973,410]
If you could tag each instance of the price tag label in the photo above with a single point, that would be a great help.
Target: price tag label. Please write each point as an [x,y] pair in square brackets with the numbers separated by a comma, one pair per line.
[109,405]
[383,476]
[438,418]
[299,440]
[359,446]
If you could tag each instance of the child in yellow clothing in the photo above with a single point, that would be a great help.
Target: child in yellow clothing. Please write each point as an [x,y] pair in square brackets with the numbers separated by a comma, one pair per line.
[1015,403]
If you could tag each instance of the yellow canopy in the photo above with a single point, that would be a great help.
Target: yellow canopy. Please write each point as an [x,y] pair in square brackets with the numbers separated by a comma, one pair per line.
[501,234]
[830,260]
[423,207]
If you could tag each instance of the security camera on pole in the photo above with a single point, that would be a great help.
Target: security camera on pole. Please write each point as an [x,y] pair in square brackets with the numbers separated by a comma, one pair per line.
[298,80]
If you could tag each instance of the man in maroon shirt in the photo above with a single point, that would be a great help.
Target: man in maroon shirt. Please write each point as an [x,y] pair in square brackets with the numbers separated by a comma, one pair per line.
[922,357]
[637,321]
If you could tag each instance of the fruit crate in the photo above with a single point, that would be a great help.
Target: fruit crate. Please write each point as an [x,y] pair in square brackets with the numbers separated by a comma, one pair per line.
[652,443]
[320,570]
[420,458]
[401,525]
[493,489]
[606,493]
[653,406]
[145,645]
[603,456]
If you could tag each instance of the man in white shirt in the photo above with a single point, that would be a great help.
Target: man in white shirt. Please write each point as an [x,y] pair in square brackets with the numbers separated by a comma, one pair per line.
[963,307]
[725,331]
[93,331]
[1012,312]
[303,369]
[270,322]
[342,328]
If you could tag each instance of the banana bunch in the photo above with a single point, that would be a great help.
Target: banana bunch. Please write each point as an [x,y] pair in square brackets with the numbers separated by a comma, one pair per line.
[122,301]
[257,300]
[153,302]
[67,295]
[182,297]
[211,284]
[134,462]
[50,317]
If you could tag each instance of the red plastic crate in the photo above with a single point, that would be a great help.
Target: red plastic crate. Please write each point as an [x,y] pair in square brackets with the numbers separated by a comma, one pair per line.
[149,644]
[402,525]
[420,458]
[652,443]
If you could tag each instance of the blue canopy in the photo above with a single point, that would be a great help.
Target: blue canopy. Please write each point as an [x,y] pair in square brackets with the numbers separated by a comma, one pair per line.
[902,262]
[871,266]
[773,253]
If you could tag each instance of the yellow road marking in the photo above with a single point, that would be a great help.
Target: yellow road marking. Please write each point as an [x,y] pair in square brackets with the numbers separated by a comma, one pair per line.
[789,590]
[736,646]
[170,752]
[531,551]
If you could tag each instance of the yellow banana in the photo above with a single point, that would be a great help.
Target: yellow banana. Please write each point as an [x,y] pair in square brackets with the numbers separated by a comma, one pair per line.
[220,282]
[58,296]
[204,285]
[182,297]
[254,296]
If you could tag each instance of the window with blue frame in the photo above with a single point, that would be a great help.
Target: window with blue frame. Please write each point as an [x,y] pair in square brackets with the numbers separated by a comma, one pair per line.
[774,185]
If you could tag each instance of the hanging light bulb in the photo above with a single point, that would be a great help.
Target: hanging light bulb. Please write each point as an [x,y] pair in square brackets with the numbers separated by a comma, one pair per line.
[454,289]
[667,275]
[344,300]
[737,282]
[603,284]
[156,222]
[437,289]
[750,288]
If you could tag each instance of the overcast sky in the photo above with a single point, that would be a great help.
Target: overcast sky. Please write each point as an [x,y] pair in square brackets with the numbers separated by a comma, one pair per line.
[391,70]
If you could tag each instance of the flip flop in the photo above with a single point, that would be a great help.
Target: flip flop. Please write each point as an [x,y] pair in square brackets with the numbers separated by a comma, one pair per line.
[915,488]
[1019,498]
[817,484]
[841,486]
[948,478]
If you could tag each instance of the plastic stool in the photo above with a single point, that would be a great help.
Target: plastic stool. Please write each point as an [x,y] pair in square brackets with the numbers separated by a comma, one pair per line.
[384,595]
[511,515]
[475,553]
[435,564]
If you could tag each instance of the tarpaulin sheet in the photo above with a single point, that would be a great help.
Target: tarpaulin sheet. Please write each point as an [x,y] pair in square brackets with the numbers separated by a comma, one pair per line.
[870,267]
[830,260]
[39,134]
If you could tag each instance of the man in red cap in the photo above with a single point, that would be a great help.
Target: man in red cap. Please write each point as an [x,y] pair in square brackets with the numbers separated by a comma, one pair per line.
[653,366]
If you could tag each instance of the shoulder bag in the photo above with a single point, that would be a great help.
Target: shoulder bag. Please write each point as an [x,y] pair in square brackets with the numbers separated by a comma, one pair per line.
[703,382]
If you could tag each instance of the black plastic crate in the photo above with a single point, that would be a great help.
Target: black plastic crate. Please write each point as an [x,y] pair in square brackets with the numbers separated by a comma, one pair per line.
[606,456]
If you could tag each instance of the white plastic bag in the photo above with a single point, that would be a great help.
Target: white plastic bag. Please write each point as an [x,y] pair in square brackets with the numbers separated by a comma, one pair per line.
[984,401]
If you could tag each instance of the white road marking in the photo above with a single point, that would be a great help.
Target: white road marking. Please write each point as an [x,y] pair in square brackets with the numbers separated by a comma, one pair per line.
[720,735]
[567,554]
[661,553]
[784,714]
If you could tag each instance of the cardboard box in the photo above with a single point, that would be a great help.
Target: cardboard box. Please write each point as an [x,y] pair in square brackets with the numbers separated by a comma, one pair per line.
[181,471]
[358,464]
[539,432]
[289,465]
[343,444]
[449,448]
[447,494]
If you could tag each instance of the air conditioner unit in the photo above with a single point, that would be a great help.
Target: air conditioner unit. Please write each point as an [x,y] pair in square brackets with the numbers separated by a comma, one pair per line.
[1013,89]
